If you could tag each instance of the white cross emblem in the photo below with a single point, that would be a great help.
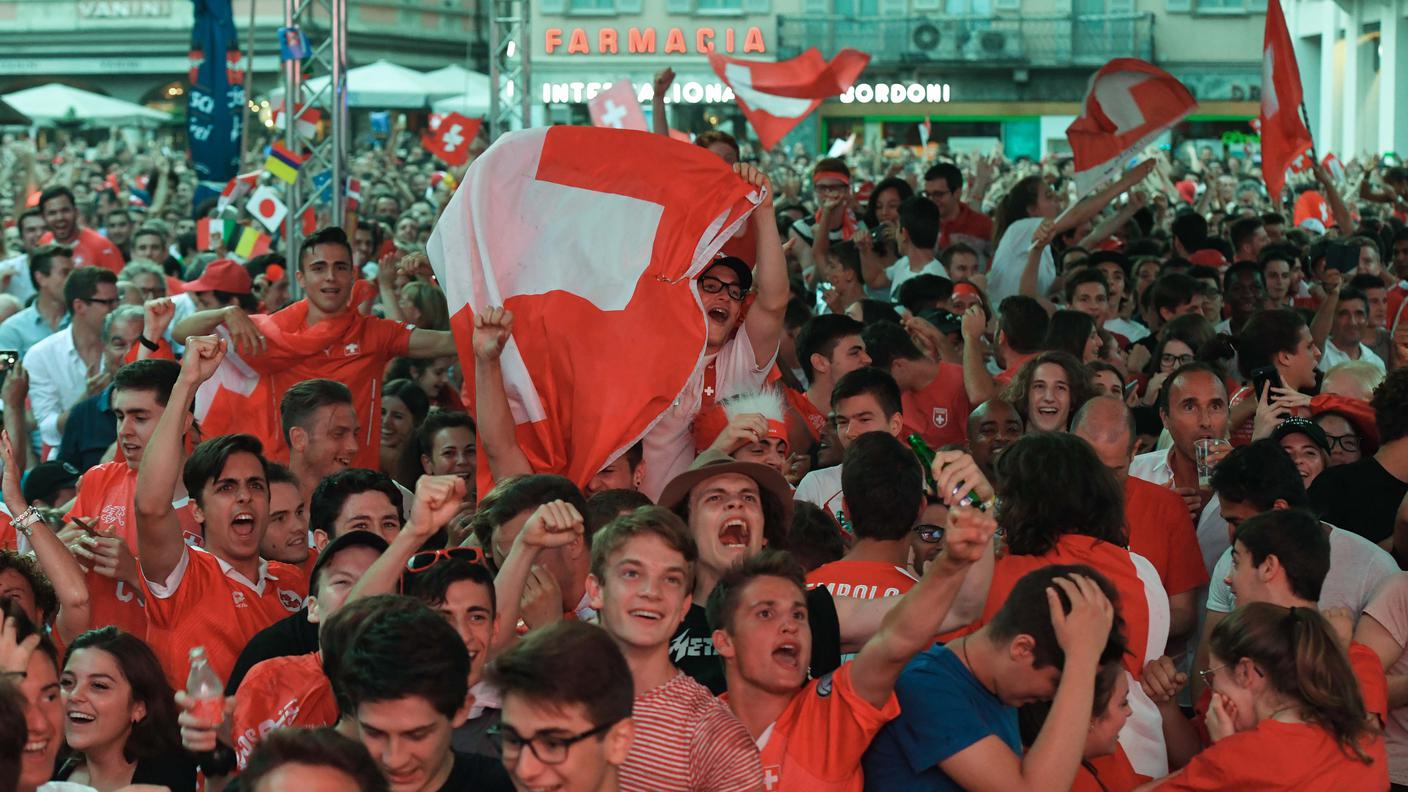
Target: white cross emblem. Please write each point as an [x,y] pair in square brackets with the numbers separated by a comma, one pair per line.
[613,115]
[351,349]
[770,777]
[708,391]
[452,138]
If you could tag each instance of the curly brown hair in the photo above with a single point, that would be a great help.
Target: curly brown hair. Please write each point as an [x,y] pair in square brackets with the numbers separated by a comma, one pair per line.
[1078,379]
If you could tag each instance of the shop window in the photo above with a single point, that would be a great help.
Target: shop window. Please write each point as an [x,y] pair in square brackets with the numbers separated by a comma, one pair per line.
[592,6]
[716,6]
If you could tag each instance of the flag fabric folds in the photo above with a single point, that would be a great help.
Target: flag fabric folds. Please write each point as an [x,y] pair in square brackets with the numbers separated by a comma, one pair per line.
[1283,133]
[1129,102]
[617,107]
[591,237]
[776,96]
[284,163]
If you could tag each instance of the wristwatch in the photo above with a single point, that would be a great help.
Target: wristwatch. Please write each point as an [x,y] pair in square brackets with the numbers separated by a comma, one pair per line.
[25,522]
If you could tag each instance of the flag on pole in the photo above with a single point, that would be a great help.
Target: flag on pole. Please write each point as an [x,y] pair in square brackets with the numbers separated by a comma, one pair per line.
[776,96]
[236,189]
[592,238]
[266,207]
[1128,104]
[213,232]
[354,193]
[284,163]
[926,129]
[617,107]
[452,138]
[253,242]
[1283,133]
[305,123]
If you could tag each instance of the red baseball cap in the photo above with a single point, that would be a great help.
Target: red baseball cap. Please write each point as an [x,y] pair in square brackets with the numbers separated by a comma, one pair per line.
[224,275]
[1208,257]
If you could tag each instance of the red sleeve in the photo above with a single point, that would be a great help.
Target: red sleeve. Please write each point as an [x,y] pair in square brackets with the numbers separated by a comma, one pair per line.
[1373,684]
[1186,570]
[391,338]
[254,703]
[1229,763]
[832,729]
[8,539]
[162,352]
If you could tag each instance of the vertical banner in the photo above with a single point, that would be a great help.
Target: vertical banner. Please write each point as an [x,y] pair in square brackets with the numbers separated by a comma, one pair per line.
[215,102]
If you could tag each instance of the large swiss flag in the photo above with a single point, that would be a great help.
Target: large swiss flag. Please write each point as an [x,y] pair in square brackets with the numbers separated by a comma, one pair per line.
[776,96]
[1129,102]
[592,238]
[1283,134]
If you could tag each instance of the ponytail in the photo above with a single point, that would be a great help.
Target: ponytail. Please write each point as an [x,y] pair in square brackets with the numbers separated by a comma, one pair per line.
[1300,658]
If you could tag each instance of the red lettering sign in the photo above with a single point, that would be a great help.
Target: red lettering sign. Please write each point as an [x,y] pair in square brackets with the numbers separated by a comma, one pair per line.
[645,41]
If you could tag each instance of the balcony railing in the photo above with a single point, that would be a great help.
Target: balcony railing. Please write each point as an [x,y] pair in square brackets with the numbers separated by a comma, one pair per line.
[998,41]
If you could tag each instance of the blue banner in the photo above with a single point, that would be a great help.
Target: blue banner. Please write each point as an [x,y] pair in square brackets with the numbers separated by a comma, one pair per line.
[215,104]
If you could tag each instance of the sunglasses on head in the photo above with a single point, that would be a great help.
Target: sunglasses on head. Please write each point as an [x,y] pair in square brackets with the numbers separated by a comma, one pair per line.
[424,560]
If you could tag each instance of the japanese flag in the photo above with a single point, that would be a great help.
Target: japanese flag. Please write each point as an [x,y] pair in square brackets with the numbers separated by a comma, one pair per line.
[1128,104]
[266,207]
[617,107]
[452,138]
[777,96]
[592,238]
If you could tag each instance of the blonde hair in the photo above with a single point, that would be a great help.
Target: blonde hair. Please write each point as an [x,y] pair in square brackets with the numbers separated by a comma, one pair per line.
[1364,374]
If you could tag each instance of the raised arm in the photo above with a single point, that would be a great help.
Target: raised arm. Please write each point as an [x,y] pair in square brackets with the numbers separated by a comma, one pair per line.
[1324,320]
[492,416]
[912,623]
[554,524]
[659,123]
[1032,270]
[13,394]
[437,500]
[159,543]
[1332,197]
[764,320]
[977,381]
[248,339]
[1091,206]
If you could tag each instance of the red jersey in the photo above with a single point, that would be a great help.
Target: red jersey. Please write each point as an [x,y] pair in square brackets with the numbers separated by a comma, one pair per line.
[1276,756]
[970,223]
[105,499]
[939,412]
[816,419]
[90,247]
[816,744]
[862,579]
[9,539]
[1111,773]
[280,693]
[1161,530]
[206,603]
[349,348]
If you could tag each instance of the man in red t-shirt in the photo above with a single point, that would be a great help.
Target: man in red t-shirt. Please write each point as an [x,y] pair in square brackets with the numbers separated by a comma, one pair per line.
[958,222]
[936,405]
[220,596]
[828,348]
[1160,527]
[324,337]
[89,247]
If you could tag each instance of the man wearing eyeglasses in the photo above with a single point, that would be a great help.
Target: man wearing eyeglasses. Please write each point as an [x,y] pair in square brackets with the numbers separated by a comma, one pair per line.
[67,366]
[568,698]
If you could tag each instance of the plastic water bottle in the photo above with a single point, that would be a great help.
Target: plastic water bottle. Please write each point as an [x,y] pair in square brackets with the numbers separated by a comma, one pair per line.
[206,690]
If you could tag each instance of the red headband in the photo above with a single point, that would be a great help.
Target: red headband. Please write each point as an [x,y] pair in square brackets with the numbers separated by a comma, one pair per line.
[966,288]
[837,175]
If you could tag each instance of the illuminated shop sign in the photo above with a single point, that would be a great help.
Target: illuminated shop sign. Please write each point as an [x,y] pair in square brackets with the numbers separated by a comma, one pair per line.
[652,41]
[895,93]
[682,92]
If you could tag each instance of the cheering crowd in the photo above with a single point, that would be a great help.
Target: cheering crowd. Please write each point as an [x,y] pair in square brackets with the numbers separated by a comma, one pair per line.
[981,484]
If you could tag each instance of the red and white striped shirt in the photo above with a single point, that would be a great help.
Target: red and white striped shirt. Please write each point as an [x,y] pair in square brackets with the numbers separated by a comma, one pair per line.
[687,741]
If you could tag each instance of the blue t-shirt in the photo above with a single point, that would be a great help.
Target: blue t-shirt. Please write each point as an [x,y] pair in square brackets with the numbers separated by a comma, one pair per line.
[943,710]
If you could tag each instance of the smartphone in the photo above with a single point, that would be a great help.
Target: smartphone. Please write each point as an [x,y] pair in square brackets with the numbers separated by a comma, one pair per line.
[1341,256]
[1263,376]
[8,359]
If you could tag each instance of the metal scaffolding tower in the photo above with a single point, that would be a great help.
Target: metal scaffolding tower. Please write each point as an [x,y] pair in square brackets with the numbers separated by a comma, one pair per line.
[510,83]
[324,23]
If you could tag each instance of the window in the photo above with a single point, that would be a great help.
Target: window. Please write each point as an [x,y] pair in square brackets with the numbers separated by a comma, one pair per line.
[592,6]
[707,6]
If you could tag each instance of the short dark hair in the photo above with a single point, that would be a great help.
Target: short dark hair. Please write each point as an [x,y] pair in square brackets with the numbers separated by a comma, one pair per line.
[1265,334]
[280,474]
[321,747]
[820,335]
[207,461]
[336,634]
[1022,322]
[832,165]
[645,521]
[813,536]
[1351,293]
[153,374]
[1390,403]
[1241,231]
[956,249]
[922,291]
[304,398]
[1172,290]
[1191,230]
[1082,276]
[883,484]
[41,262]
[919,217]
[46,600]
[511,496]
[947,171]
[871,380]
[55,191]
[332,493]
[723,600]
[1365,282]
[433,585]
[712,136]
[329,235]
[403,653]
[1298,541]
[1278,251]
[1069,331]
[1196,367]
[607,505]
[569,662]
[438,419]
[847,255]
[1027,612]
[1259,473]
[82,284]
[1053,484]
[886,342]
[157,733]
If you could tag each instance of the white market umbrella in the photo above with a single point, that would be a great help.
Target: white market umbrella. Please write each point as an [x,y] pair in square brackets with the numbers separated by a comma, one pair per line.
[468,91]
[383,85]
[47,104]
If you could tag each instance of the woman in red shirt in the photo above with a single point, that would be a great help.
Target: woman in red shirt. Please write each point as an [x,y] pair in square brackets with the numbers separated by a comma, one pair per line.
[1103,766]
[1286,710]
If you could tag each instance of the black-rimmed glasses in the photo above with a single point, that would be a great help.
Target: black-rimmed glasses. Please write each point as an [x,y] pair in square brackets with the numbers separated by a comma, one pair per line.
[711,285]
[550,749]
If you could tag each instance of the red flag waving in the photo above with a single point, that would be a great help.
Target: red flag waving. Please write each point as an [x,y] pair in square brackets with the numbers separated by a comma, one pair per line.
[591,237]
[617,107]
[1129,102]
[452,138]
[1283,133]
[777,96]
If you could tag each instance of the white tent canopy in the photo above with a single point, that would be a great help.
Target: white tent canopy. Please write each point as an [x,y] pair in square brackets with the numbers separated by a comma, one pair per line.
[385,86]
[46,104]
[469,91]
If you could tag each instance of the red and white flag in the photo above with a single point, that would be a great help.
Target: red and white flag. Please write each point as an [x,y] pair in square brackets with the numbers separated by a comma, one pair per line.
[236,189]
[592,237]
[264,205]
[452,138]
[776,96]
[1129,102]
[1283,133]
[617,107]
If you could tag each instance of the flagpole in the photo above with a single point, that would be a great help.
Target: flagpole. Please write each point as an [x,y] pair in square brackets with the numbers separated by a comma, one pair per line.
[1305,119]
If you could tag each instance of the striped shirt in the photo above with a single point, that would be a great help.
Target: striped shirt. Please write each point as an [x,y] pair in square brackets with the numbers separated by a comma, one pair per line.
[687,741]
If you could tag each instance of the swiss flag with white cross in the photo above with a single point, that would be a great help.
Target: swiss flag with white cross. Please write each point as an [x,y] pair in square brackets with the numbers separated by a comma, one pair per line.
[617,108]
[452,138]
[1128,104]
[592,237]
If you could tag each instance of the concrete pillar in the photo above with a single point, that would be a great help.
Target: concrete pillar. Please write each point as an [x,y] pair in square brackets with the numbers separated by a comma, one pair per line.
[1325,127]
[1348,142]
[1393,84]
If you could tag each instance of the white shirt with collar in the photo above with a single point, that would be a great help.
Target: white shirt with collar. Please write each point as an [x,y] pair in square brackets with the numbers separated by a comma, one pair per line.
[1154,468]
[17,267]
[58,379]
[1334,356]
[900,271]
